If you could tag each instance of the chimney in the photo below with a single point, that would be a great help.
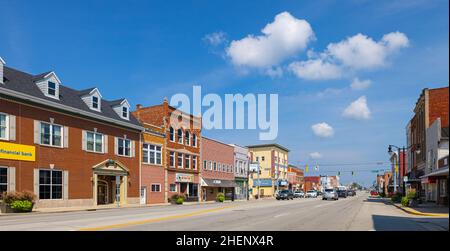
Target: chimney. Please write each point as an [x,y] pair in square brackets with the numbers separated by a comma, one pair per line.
[138,106]
[2,64]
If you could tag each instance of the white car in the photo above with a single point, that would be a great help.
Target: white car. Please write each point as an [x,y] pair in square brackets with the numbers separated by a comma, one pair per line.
[311,194]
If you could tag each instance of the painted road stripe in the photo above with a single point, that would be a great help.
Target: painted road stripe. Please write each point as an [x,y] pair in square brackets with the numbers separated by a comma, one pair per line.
[172,217]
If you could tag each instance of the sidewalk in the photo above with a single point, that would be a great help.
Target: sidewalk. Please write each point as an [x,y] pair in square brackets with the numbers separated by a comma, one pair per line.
[425,209]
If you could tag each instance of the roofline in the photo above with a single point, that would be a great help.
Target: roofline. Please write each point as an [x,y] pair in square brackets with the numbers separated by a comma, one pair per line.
[269,145]
[215,140]
[3,61]
[67,108]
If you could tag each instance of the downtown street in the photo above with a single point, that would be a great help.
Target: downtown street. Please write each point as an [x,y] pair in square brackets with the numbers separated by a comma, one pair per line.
[360,213]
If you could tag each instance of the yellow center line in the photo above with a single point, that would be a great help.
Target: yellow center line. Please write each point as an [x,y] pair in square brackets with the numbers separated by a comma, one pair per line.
[172,217]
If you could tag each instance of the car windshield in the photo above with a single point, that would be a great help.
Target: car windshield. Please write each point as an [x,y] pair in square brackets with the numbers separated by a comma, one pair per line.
[311,191]
[329,190]
[284,191]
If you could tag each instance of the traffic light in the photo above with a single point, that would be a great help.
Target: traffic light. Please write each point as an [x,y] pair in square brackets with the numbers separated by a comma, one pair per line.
[353,173]
[339,173]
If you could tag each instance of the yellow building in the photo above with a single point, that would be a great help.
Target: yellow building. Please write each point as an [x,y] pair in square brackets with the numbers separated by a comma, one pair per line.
[273,162]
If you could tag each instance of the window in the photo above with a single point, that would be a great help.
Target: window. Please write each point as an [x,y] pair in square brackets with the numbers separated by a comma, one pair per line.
[215,166]
[125,112]
[94,142]
[172,134]
[205,165]
[156,187]
[172,159]
[443,188]
[173,188]
[51,134]
[187,163]
[187,139]
[95,102]
[152,154]
[3,180]
[194,140]
[262,158]
[180,136]
[194,162]
[123,148]
[4,124]
[257,159]
[50,184]
[180,160]
[51,89]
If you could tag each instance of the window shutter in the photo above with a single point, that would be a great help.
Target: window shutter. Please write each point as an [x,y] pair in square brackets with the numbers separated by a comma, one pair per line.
[37,133]
[133,147]
[105,143]
[116,146]
[12,127]
[66,185]
[36,182]
[66,137]
[11,179]
[83,140]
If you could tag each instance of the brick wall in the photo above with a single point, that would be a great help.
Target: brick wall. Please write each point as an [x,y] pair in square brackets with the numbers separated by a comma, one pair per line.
[438,105]
[220,153]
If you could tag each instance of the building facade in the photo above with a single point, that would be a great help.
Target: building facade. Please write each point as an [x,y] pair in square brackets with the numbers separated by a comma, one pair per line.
[241,174]
[69,147]
[312,183]
[217,175]
[295,178]
[273,161]
[182,147]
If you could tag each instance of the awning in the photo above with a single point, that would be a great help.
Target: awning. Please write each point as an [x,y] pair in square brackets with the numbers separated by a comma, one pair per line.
[218,183]
[442,172]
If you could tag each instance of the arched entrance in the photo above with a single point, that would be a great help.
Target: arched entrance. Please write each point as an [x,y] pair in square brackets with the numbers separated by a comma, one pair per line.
[110,179]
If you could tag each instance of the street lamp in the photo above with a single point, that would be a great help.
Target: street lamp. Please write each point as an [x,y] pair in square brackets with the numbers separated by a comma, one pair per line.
[403,149]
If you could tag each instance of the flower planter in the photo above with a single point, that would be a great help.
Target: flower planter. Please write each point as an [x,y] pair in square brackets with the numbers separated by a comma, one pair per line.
[6,209]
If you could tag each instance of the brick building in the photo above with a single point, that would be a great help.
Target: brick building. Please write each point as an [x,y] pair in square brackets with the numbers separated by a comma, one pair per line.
[431,104]
[217,173]
[182,147]
[69,147]
[312,183]
[295,178]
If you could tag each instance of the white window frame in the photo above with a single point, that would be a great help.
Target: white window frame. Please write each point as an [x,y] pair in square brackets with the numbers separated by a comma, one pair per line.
[51,134]
[176,188]
[210,164]
[155,184]
[172,156]
[123,112]
[172,134]
[123,146]
[98,103]
[187,138]
[48,89]
[205,165]
[180,165]
[103,142]
[5,184]
[51,183]
[187,159]
[194,162]
[155,152]
[180,137]
[194,140]
[6,126]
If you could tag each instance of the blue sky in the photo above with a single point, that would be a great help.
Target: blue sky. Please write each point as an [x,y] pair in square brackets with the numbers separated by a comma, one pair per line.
[145,51]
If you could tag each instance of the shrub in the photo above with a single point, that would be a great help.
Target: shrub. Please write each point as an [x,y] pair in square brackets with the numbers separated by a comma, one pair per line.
[22,206]
[382,194]
[405,201]
[179,200]
[396,198]
[411,195]
[10,197]
[220,197]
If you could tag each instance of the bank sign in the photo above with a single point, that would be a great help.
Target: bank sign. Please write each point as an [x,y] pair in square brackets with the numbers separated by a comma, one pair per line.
[17,152]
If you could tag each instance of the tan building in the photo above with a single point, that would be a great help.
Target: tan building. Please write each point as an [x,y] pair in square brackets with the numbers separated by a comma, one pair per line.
[273,161]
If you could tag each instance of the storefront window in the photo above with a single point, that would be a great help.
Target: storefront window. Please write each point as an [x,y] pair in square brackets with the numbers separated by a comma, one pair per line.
[3,180]
[50,184]
[193,190]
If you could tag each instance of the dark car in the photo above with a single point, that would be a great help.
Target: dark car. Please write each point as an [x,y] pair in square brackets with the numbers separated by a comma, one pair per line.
[351,192]
[342,192]
[285,195]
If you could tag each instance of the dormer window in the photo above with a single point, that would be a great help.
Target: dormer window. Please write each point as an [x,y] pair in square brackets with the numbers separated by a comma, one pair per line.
[125,112]
[51,89]
[95,102]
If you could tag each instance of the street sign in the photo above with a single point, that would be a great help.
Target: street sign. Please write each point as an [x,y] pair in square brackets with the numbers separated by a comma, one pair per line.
[405,179]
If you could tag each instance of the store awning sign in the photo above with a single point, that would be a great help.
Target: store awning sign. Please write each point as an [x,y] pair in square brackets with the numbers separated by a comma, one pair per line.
[17,152]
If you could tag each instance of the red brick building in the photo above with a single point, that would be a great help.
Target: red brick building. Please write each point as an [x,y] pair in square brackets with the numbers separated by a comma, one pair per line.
[217,169]
[312,183]
[182,147]
[295,177]
[69,147]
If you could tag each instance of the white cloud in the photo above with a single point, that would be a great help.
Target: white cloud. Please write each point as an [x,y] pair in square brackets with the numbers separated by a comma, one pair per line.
[358,109]
[274,72]
[215,38]
[315,69]
[323,130]
[281,39]
[354,53]
[315,155]
[360,84]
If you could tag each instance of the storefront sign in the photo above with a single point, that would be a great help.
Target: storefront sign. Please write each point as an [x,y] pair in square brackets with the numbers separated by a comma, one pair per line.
[262,182]
[217,181]
[17,152]
[184,178]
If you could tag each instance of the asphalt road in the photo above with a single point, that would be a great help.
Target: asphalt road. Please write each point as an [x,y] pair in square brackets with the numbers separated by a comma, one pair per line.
[353,213]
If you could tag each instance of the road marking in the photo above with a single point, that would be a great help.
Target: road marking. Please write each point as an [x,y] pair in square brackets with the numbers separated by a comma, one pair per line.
[172,217]
[279,215]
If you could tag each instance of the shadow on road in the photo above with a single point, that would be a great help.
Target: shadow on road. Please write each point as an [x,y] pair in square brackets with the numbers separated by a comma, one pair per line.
[395,223]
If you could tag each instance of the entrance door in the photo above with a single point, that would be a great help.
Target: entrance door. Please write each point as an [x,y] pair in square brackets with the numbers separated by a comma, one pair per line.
[102,193]
[143,195]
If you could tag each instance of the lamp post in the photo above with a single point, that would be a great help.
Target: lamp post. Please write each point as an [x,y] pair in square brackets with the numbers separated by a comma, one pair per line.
[399,150]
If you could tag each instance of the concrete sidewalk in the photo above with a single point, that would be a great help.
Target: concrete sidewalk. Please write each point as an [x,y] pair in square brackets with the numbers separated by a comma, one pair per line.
[425,209]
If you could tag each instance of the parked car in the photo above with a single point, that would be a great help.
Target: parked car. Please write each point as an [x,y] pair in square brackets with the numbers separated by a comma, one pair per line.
[342,191]
[285,195]
[351,192]
[330,193]
[299,194]
[311,194]
[373,193]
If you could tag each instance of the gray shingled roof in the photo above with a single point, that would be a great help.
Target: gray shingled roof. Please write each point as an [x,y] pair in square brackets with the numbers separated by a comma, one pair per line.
[25,83]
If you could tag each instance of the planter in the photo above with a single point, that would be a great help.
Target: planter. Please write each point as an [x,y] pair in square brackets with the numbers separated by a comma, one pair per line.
[6,209]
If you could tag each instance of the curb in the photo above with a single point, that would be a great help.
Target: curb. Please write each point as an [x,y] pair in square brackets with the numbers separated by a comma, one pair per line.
[415,212]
